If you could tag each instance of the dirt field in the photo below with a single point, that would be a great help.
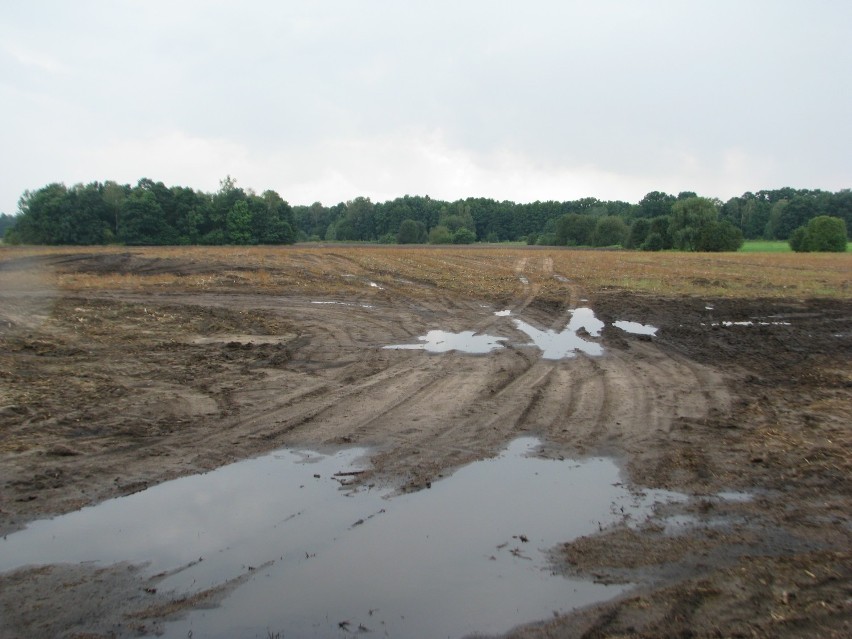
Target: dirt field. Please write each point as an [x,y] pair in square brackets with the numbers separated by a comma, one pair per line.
[120,369]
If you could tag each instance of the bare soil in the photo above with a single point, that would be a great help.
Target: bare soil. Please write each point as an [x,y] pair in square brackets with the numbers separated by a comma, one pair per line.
[107,390]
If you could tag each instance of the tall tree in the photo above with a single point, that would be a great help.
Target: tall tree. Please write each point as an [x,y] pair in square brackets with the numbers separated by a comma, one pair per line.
[655,204]
[141,219]
[238,224]
[689,218]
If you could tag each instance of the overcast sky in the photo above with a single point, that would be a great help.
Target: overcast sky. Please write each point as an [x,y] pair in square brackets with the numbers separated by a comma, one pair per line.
[527,100]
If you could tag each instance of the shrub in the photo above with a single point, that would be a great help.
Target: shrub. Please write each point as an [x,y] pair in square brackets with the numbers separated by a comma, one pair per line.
[610,230]
[797,239]
[654,242]
[823,233]
[719,236]
[464,236]
[826,233]
[411,232]
[440,235]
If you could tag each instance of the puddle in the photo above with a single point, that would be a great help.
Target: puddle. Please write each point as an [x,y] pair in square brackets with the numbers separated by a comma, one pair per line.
[524,280]
[561,278]
[636,328]
[553,345]
[735,496]
[467,556]
[444,342]
[566,343]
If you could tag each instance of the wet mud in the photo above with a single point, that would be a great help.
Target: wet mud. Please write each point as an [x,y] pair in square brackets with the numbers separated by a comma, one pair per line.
[108,391]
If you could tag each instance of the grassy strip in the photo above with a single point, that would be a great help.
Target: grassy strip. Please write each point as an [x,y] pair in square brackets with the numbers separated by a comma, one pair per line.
[766,246]
[774,246]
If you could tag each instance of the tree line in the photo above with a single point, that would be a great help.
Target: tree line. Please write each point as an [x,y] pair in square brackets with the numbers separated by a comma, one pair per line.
[151,213]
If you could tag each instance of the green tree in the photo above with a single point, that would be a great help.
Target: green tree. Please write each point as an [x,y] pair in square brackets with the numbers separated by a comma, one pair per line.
[360,223]
[574,229]
[654,242]
[798,211]
[238,224]
[140,219]
[655,204]
[610,230]
[272,219]
[114,195]
[689,218]
[7,223]
[660,226]
[638,232]
[411,232]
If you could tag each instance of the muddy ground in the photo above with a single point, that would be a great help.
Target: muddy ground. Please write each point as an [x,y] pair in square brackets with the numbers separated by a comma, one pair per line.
[106,390]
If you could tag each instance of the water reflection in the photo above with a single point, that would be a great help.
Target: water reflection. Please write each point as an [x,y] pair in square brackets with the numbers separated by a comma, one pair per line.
[467,556]
[635,328]
[568,342]
[443,342]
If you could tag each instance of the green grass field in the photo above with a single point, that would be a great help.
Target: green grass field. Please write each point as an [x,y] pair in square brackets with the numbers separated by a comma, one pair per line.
[766,246]
[773,246]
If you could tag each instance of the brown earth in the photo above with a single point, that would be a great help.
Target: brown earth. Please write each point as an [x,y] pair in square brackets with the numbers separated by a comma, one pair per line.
[119,370]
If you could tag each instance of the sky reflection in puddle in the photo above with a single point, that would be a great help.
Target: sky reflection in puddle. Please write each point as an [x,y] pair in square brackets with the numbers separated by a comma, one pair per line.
[444,342]
[553,345]
[566,343]
[468,555]
[635,328]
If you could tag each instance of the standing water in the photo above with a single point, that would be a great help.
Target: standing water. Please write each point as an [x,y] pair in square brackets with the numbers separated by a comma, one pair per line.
[469,555]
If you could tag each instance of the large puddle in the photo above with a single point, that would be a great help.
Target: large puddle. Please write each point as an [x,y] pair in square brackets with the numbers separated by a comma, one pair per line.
[444,342]
[467,556]
[573,339]
[569,341]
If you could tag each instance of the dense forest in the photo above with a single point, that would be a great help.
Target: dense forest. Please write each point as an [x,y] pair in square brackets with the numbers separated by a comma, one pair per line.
[152,213]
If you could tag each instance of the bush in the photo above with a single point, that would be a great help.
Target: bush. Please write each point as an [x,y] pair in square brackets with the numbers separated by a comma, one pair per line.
[440,235]
[464,236]
[719,236]
[797,239]
[654,242]
[547,239]
[823,233]
[411,232]
[610,230]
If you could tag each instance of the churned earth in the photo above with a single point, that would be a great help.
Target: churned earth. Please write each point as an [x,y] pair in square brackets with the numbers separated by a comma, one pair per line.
[120,369]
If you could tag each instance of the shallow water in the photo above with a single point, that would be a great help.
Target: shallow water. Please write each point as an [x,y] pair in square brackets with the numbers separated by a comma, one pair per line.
[567,342]
[444,342]
[553,344]
[467,555]
[635,328]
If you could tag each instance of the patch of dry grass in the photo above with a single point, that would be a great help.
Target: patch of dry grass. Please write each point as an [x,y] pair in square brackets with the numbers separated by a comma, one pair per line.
[478,272]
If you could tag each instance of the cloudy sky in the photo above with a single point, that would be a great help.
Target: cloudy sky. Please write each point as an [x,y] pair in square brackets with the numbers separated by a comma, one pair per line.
[326,101]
